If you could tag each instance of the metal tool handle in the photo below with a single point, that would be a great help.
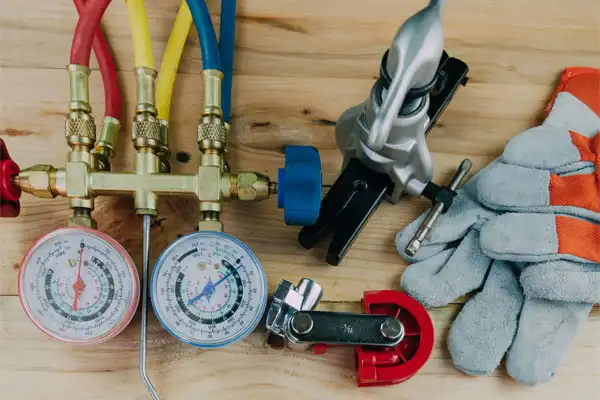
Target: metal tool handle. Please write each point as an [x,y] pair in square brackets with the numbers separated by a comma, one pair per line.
[412,62]
[337,328]
[144,328]
[427,224]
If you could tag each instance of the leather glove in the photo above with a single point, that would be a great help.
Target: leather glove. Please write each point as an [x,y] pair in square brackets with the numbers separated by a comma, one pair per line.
[535,331]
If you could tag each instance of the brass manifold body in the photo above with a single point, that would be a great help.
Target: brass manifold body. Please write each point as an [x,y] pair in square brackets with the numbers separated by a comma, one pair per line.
[87,171]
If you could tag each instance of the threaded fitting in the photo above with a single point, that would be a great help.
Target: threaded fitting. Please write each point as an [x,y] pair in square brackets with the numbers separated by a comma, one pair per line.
[212,133]
[80,129]
[146,131]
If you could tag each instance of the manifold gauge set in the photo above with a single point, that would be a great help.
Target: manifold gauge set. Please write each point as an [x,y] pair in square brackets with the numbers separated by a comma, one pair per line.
[207,288]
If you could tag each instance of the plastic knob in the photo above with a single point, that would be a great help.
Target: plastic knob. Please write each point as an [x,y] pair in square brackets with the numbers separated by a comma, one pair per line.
[300,186]
[9,192]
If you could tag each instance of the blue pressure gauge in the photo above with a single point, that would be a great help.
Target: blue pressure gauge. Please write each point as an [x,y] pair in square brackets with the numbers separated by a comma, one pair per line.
[208,289]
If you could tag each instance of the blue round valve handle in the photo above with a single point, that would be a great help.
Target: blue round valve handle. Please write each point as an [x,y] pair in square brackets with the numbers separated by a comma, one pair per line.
[300,186]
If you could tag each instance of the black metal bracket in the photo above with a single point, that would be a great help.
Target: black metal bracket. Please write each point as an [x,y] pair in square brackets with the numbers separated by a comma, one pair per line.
[336,328]
[451,75]
[347,206]
[358,190]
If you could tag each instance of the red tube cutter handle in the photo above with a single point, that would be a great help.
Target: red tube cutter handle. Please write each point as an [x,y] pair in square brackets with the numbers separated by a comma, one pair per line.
[9,192]
[381,366]
[389,366]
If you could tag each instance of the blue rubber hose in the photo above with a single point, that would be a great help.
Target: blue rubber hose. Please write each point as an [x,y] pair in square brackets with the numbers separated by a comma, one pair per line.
[226,49]
[206,34]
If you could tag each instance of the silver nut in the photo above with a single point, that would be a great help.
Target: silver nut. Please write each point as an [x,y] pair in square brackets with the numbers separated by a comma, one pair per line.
[302,323]
[392,329]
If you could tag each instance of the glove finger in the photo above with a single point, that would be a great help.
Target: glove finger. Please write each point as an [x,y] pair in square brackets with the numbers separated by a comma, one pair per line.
[514,188]
[547,147]
[486,326]
[570,112]
[448,275]
[563,281]
[450,227]
[546,331]
[540,237]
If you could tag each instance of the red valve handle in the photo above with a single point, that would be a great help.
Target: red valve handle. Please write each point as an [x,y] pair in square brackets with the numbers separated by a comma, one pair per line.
[9,192]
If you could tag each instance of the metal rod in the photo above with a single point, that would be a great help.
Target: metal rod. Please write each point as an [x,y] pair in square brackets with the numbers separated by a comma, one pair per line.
[147,220]
[427,224]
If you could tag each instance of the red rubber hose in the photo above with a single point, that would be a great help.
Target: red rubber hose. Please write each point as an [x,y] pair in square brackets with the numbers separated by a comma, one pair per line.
[112,93]
[88,24]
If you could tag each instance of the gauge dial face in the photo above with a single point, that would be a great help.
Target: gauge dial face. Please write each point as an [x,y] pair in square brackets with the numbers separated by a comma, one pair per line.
[79,286]
[208,289]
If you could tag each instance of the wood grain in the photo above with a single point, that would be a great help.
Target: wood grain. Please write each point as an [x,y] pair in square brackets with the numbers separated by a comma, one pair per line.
[298,66]
[252,368]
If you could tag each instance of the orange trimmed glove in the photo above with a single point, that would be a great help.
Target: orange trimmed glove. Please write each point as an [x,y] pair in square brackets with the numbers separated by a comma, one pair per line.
[549,183]
[523,234]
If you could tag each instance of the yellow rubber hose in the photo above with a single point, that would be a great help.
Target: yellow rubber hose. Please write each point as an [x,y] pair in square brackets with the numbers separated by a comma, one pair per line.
[140,33]
[170,61]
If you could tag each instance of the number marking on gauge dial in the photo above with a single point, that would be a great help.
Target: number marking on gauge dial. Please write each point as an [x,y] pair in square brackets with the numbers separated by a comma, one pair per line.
[79,286]
[208,289]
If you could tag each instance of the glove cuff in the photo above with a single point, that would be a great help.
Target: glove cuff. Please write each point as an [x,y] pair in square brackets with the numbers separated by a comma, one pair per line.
[581,82]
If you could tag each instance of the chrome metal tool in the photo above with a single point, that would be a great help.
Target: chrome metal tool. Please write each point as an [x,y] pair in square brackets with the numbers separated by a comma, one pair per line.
[383,139]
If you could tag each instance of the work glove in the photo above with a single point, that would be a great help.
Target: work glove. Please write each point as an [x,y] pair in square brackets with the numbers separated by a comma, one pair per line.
[476,246]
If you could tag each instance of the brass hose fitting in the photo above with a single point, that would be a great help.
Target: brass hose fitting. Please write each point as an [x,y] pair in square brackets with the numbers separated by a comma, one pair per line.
[212,92]
[149,139]
[212,140]
[212,133]
[82,217]
[146,130]
[79,88]
[210,222]
[80,131]
[105,148]
[80,128]
[249,186]
[39,180]
[163,152]
[87,174]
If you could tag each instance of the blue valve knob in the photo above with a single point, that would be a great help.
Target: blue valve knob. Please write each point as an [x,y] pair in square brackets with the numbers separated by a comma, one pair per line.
[300,186]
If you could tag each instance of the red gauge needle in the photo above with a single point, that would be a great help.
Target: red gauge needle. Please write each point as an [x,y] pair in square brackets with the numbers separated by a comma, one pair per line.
[78,286]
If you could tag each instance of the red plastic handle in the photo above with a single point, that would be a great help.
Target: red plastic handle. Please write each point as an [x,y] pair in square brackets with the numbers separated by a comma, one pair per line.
[9,192]
[388,366]
[380,366]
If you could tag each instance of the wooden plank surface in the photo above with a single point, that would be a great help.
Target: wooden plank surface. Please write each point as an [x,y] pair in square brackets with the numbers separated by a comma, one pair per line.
[252,369]
[298,65]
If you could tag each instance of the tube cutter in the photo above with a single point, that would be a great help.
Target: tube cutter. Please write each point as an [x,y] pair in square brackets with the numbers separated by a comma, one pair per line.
[393,338]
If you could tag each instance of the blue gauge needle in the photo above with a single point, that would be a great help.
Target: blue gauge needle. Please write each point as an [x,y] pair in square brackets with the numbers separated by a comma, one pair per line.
[210,287]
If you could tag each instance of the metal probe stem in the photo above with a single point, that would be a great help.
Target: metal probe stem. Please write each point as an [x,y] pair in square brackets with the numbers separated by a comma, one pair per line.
[427,224]
[147,220]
